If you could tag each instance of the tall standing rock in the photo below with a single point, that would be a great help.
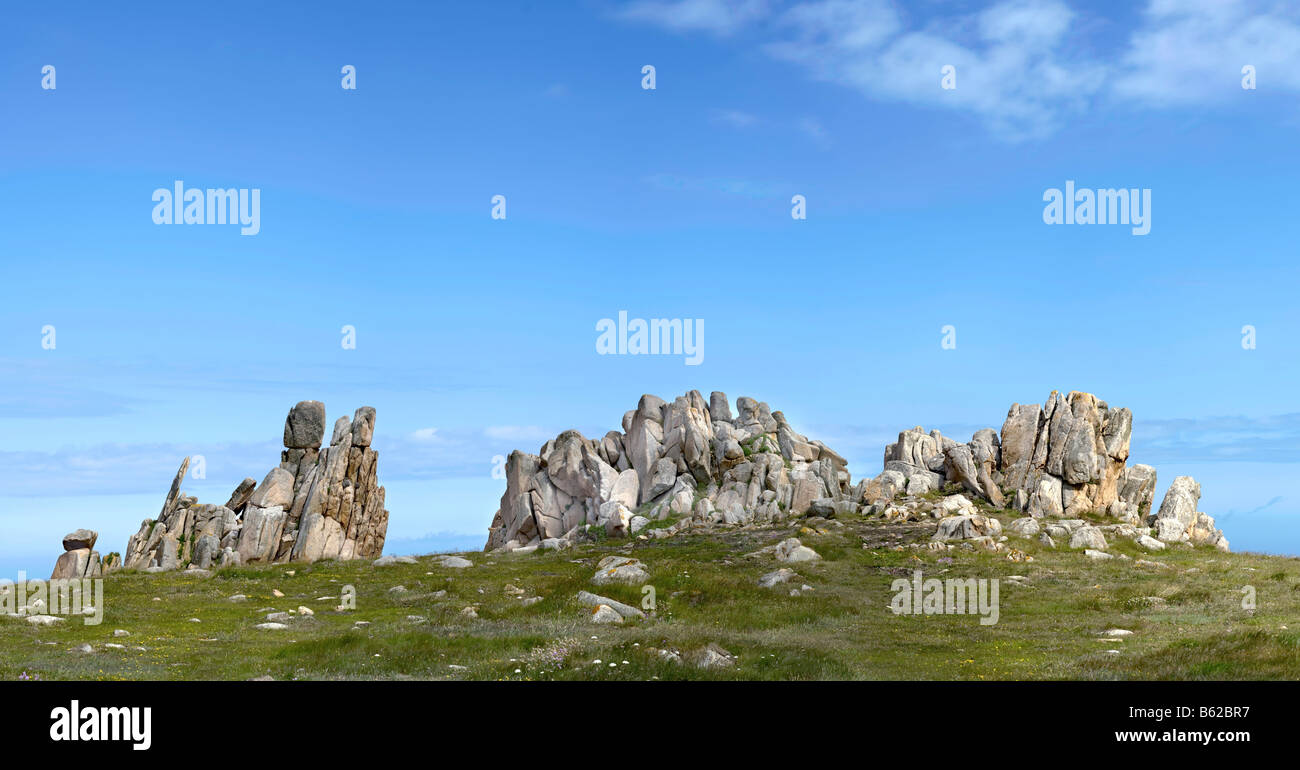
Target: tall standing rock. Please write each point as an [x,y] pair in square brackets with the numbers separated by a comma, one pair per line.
[363,426]
[338,505]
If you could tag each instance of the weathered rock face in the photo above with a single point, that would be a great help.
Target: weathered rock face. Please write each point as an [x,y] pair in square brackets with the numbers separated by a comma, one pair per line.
[305,426]
[320,503]
[1057,460]
[689,458]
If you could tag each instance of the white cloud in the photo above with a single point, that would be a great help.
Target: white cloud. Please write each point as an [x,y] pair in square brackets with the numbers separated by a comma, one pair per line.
[1023,66]
[721,17]
[734,118]
[425,434]
[1192,52]
[518,433]
[1009,68]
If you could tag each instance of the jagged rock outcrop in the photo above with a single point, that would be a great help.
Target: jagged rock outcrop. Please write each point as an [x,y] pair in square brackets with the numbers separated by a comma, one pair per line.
[1057,460]
[687,458]
[320,503]
[699,463]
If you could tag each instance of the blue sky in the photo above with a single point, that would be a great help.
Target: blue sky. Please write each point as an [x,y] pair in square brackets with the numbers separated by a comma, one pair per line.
[476,336]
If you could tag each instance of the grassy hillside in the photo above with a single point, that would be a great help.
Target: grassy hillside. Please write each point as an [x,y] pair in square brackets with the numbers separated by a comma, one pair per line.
[1186,616]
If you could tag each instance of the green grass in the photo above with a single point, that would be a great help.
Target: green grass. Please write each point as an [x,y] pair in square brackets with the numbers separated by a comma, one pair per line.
[705,591]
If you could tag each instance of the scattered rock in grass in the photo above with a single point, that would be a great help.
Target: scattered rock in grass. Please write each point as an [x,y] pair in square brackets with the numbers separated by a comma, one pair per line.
[306,611]
[776,577]
[669,656]
[1088,537]
[238,598]
[454,562]
[1097,555]
[1117,632]
[386,561]
[270,626]
[470,613]
[84,649]
[624,610]
[791,550]
[43,620]
[967,526]
[603,613]
[120,633]
[620,569]
[1027,527]
[1150,543]
[714,656]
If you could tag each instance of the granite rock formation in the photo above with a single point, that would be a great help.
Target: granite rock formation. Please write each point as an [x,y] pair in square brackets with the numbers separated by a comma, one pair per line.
[696,462]
[1058,460]
[688,458]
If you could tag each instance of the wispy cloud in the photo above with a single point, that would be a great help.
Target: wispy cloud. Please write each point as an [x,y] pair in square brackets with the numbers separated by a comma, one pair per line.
[814,130]
[733,118]
[43,389]
[1010,63]
[1192,51]
[1023,67]
[518,432]
[1224,439]
[720,17]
